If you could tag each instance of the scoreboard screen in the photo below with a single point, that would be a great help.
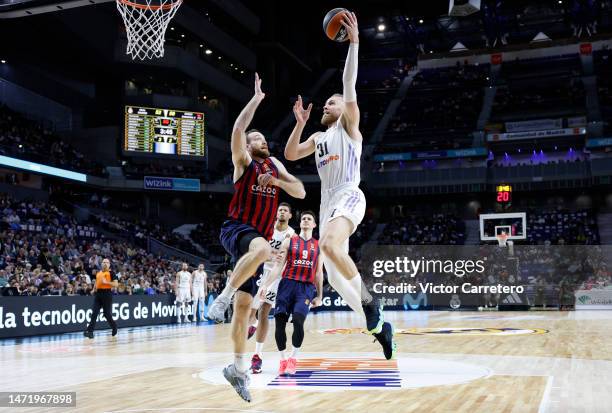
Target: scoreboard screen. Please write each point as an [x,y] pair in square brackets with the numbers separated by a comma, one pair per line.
[503,194]
[164,131]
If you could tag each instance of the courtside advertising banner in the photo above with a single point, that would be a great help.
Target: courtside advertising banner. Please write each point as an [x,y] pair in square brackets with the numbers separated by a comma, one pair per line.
[550,133]
[31,316]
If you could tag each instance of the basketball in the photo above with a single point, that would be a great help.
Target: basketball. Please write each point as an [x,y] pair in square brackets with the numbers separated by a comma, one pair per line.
[332,25]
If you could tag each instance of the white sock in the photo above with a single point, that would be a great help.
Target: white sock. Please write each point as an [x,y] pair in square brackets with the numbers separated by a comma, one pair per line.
[228,291]
[241,361]
[258,348]
[256,323]
[283,354]
[357,284]
[344,287]
[294,352]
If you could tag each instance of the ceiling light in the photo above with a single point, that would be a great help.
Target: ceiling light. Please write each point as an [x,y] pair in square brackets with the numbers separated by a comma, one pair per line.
[381,27]
[208,51]
[421,21]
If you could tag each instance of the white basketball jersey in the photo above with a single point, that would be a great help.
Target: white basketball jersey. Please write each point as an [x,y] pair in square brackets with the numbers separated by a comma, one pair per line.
[338,158]
[275,242]
[184,279]
[198,278]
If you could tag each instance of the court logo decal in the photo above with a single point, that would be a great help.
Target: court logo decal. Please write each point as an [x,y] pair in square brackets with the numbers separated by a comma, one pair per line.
[331,372]
[357,372]
[447,331]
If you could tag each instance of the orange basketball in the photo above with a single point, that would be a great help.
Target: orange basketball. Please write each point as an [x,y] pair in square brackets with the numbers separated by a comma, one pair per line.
[332,25]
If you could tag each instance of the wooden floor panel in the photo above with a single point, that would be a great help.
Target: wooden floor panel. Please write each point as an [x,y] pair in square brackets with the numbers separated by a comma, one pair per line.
[566,369]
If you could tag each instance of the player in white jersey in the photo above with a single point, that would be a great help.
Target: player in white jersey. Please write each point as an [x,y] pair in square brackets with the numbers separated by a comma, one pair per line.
[200,291]
[338,160]
[183,291]
[260,325]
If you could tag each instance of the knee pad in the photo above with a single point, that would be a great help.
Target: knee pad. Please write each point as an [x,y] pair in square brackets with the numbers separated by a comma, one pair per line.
[281,318]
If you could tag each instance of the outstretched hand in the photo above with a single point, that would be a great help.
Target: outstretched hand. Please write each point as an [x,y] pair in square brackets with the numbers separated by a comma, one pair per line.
[301,115]
[349,21]
[258,93]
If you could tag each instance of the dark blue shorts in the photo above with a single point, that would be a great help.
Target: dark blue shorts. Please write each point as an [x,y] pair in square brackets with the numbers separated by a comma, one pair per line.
[294,297]
[232,233]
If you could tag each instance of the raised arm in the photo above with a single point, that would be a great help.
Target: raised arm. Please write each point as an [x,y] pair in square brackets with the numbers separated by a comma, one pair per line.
[350,116]
[295,150]
[285,181]
[240,156]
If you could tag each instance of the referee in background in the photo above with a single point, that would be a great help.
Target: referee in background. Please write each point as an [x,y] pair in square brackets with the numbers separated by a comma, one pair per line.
[103,298]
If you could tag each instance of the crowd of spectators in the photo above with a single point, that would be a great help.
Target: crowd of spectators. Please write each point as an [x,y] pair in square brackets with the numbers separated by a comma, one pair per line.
[540,96]
[26,139]
[440,101]
[440,228]
[53,259]
[562,227]
[139,230]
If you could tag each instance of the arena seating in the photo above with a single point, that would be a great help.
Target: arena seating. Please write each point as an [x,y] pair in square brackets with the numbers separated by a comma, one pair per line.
[26,139]
[58,258]
[443,229]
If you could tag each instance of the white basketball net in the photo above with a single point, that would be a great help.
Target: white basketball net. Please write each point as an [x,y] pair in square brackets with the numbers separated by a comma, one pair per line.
[146,22]
[502,239]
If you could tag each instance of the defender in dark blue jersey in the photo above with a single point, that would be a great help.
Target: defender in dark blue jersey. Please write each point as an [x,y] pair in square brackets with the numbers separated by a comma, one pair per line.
[300,288]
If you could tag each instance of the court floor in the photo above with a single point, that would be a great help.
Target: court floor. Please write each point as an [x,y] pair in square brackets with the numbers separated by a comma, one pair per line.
[447,362]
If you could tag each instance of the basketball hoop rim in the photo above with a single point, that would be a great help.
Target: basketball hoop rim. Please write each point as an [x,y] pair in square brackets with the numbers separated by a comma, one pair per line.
[150,7]
[502,239]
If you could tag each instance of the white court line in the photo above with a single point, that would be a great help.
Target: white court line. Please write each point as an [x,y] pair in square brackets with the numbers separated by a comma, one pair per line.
[166,409]
[546,396]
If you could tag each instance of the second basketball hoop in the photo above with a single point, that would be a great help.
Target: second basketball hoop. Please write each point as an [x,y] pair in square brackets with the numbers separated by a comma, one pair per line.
[146,22]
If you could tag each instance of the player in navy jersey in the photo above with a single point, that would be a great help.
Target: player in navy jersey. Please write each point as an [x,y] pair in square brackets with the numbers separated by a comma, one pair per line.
[258,179]
[301,286]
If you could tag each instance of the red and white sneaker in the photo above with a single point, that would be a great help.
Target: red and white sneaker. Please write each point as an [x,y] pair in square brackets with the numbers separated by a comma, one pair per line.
[256,364]
[291,366]
[282,370]
[252,330]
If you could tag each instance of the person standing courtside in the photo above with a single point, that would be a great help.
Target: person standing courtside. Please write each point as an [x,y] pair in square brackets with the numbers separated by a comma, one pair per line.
[103,298]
